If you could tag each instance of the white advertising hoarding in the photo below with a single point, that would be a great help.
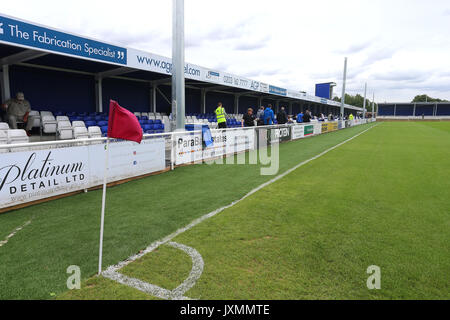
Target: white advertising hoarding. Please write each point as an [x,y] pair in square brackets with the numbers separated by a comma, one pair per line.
[35,175]
[298,132]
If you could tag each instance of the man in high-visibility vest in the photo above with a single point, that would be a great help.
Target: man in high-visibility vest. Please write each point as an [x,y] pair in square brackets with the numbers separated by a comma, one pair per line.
[221,116]
[351,117]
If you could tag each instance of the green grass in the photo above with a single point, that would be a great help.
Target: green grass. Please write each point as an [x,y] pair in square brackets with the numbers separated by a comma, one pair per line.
[65,232]
[382,199]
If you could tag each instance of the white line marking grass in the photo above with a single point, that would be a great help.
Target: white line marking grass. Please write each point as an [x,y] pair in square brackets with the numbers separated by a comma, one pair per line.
[2,243]
[177,293]
[112,271]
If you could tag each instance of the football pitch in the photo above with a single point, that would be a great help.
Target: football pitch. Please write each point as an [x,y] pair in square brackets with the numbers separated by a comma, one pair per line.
[381,199]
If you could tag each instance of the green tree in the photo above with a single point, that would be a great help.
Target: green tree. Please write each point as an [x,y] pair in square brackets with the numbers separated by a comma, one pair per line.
[426,98]
[357,101]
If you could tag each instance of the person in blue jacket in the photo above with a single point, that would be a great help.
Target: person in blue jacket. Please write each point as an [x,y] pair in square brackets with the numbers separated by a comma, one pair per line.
[300,117]
[269,115]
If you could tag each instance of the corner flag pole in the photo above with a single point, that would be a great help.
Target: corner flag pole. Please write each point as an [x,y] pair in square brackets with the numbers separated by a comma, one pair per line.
[102,223]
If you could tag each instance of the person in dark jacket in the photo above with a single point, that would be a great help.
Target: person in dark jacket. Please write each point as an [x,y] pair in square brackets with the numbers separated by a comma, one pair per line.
[307,116]
[282,117]
[249,119]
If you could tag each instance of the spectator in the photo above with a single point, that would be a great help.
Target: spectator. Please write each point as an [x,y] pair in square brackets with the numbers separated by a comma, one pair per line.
[18,109]
[307,117]
[221,116]
[300,117]
[269,116]
[330,117]
[249,119]
[260,116]
[282,117]
[351,117]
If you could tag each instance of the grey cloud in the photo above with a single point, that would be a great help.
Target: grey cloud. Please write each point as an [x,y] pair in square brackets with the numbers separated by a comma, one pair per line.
[405,76]
[249,46]
[355,48]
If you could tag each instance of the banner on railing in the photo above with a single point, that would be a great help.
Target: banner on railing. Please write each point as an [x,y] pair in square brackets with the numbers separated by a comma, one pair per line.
[298,132]
[190,147]
[35,175]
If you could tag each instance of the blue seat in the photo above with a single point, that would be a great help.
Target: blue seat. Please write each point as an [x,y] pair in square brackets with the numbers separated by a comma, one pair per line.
[102,123]
[158,122]
[104,129]
[151,122]
[90,124]
[144,118]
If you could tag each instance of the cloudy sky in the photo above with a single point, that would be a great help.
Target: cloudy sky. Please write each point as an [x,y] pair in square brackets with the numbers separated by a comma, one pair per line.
[401,48]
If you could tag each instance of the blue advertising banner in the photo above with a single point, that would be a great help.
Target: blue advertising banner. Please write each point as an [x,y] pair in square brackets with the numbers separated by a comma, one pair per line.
[18,32]
[277,90]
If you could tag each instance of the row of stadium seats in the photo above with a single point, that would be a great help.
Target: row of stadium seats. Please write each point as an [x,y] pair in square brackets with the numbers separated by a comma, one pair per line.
[12,136]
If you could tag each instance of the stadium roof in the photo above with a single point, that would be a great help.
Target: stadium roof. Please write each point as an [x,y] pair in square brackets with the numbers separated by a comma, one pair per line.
[27,43]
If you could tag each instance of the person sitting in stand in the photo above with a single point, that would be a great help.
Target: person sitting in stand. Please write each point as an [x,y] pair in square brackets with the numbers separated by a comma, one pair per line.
[18,110]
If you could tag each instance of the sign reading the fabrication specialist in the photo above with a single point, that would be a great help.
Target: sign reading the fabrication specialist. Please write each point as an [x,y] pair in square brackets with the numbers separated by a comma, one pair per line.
[34,36]
[33,175]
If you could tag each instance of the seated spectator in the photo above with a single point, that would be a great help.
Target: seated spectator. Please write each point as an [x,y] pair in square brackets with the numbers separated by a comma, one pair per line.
[17,110]
[300,117]
[330,117]
[282,116]
[249,119]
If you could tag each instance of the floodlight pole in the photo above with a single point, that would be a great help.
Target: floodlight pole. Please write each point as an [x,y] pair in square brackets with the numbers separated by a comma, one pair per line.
[343,89]
[178,83]
[365,96]
[373,106]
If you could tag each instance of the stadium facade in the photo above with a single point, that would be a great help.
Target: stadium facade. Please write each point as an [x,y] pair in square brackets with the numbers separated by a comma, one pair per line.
[61,71]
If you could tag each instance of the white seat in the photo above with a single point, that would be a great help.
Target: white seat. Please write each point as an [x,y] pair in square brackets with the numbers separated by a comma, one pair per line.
[138,114]
[62,118]
[46,113]
[95,132]
[144,114]
[65,130]
[4,126]
[78,124]
[37,118]
[3,140]
[17,136]
[80,133]
[49,124]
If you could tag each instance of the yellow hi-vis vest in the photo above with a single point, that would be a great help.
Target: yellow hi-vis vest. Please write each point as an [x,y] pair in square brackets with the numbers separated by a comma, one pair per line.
[351,117]
[220,114]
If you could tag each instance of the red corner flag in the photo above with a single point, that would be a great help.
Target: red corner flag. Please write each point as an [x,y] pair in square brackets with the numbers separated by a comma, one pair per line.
[123,124]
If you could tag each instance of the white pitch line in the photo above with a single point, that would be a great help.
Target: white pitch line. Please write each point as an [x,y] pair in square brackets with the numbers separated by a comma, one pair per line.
[2,243]
[156,291]
[113,270]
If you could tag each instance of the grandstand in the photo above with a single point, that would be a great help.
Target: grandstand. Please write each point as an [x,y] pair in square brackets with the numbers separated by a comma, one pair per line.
[414,111]
[63,81]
